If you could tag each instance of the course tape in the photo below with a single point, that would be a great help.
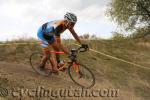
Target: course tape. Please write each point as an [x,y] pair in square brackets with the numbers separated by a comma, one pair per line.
[116,58]
[17,43]
[140,66]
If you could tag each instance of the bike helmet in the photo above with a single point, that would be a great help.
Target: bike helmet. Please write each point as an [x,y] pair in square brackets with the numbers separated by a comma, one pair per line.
[70,17]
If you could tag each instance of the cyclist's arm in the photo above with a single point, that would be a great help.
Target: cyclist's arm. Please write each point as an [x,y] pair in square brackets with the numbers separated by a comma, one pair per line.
[75,35]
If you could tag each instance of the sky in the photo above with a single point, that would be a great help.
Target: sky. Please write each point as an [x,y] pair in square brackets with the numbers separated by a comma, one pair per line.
[22,18]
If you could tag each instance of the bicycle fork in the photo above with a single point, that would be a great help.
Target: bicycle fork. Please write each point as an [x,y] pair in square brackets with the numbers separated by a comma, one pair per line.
[76,67]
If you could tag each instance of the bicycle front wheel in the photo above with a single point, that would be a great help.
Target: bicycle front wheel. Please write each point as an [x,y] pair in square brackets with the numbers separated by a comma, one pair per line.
[87,79]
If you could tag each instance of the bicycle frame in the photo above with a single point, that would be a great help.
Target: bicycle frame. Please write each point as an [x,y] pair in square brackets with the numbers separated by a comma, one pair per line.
[71,65]
[57,52]
[73,62]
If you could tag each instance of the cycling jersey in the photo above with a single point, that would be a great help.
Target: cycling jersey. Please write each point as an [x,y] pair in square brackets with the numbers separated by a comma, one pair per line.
[48,31]
[55,27]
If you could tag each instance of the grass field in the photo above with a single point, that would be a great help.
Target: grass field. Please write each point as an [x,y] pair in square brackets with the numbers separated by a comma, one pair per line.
[132,81]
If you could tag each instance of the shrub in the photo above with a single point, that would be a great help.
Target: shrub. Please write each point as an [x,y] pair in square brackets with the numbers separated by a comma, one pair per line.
[117,36]
[140,33]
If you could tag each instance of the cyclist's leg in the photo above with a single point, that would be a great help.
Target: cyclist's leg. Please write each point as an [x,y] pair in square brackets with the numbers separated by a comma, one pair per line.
[53,58]
[52,42]
[58,40]
[56,47]
[64,49]
[44,46]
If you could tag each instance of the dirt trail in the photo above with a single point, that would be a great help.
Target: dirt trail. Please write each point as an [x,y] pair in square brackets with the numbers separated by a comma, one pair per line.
[19,75]
[23,74]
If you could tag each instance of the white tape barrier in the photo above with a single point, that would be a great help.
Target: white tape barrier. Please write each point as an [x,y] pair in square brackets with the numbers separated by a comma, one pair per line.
[3,44]
[117,58]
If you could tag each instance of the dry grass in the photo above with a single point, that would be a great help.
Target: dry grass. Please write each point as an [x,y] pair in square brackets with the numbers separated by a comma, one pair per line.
[133,82]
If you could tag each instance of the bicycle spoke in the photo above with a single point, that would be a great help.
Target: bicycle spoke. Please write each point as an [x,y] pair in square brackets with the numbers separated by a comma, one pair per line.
[84,78]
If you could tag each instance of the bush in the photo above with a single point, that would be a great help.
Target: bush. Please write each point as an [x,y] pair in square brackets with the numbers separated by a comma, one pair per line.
[118,36]
[140,33]
[89,37]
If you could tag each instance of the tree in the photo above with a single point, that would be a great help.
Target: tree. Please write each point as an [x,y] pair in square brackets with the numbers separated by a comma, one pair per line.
[130,14]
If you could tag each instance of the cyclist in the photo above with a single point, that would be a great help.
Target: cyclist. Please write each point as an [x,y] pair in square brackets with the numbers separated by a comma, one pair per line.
[49,35]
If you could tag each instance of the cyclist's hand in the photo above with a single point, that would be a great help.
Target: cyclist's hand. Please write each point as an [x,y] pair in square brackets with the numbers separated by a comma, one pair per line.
[85,46]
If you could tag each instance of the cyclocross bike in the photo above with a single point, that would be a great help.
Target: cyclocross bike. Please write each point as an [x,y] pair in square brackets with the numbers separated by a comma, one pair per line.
[86,79]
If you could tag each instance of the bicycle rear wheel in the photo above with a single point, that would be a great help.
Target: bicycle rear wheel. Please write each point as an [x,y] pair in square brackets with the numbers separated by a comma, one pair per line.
[35,60]
[87,79]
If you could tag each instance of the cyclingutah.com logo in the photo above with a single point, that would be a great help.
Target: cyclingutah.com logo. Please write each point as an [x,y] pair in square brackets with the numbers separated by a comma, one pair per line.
[41,92]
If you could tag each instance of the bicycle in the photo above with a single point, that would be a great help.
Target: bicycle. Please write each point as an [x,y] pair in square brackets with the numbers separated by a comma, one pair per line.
[87,79]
